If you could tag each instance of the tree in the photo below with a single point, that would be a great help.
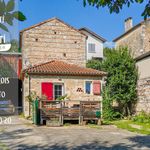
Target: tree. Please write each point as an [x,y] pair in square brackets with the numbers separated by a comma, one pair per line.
[121,83]
[8,11]
[116,5]
[95,64]
[14,46]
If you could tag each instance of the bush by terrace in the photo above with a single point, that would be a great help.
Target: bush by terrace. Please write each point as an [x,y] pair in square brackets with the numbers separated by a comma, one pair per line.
[119,95]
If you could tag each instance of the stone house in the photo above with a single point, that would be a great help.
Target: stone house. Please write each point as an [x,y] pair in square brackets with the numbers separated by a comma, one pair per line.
[54,63]
[137,38]
[94,44]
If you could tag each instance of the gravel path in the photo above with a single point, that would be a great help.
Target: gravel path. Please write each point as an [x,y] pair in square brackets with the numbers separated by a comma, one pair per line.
[22,135]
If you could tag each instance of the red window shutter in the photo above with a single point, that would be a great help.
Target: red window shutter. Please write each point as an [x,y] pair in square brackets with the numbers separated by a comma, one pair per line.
[47,90]
[19,67]
[96,87]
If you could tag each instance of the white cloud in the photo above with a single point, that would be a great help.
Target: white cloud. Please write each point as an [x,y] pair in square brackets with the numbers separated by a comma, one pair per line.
[109,44]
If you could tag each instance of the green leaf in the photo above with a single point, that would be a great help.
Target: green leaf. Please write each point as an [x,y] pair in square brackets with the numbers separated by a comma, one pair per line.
[19,16]
[84,3]
[3,27]
[10,6]
[2,8]
[9,19]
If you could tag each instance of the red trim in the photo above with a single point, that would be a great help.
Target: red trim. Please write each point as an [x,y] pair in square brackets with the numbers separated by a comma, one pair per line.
[19,67]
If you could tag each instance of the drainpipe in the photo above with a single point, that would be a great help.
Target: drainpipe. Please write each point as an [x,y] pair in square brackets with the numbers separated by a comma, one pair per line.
[29,95]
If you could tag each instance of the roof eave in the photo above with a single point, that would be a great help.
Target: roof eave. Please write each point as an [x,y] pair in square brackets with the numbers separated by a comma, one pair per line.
[142,56]
[94,34]
[64,74]
[43,22]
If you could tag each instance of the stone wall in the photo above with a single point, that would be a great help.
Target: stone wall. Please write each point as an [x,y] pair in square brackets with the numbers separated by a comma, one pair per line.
[143,95]
[143,67]
[53,40]
[138,41]
[147,37]
[71,85]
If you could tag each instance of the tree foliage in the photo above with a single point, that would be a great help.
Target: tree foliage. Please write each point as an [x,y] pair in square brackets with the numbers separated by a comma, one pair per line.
[14,45]
[116,5]
[121,82]
[7,9]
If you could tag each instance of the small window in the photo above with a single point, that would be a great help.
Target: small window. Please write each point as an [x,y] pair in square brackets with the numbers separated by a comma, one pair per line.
[58,90]
[64,54]
[91,48]
[36,39]
[88,87]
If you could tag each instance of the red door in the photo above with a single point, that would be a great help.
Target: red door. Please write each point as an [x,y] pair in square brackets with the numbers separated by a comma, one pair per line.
[47,90]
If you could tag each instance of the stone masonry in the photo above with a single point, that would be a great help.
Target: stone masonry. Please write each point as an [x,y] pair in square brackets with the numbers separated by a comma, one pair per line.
[52,40]
[138,41]
[55,40]
[71,86]
[144,95]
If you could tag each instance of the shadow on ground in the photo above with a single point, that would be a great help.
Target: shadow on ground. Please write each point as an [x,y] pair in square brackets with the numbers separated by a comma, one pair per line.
[135,142]
[90,146]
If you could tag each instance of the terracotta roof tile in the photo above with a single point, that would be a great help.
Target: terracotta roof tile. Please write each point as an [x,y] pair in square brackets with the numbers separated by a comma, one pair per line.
[61,68]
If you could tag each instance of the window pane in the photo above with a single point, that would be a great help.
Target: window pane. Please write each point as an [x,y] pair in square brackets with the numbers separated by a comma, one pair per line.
[88,87]
[58,91]
[91,48]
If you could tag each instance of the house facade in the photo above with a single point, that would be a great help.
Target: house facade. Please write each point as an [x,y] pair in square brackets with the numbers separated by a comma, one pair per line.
[54,64]
[94,44]
[52,40]
[137,39]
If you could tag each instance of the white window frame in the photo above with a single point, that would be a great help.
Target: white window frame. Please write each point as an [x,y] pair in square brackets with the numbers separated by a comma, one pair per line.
[90,51]
[63,89]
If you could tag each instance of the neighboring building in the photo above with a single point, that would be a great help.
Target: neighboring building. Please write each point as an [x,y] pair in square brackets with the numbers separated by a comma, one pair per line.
[54,63]
[10,67]
[137,38]
[94,44]
[12,63]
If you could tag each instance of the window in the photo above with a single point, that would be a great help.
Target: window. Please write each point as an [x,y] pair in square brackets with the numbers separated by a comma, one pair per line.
[58,90]
[88,87]
[97,88]
[91,48]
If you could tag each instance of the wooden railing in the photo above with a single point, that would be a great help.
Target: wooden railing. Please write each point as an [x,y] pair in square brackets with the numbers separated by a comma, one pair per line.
[70,110]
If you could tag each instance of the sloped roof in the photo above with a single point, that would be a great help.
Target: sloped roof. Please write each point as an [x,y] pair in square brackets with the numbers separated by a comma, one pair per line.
[62,68]
[145,55]
[55,18]
[93,33]
[130,30]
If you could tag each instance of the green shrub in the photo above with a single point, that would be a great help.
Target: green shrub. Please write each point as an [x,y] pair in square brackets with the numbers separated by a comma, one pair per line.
[142,118]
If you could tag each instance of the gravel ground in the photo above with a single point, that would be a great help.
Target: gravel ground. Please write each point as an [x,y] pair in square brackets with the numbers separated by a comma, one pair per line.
[22,135]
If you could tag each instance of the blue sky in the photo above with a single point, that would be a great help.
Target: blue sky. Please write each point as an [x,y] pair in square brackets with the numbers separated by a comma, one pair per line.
[72,12]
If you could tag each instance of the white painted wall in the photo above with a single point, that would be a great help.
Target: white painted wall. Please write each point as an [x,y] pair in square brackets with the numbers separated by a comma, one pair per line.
[98,46]
[144,68]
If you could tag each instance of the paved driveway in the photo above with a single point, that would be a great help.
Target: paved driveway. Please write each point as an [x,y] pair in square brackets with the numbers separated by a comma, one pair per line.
[21,135]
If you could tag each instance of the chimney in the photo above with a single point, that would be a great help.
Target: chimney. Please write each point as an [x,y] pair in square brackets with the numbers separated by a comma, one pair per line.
[128,24]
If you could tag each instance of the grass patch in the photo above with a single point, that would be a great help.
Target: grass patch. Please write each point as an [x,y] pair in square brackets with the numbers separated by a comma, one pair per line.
[131,126]
[3,146]
[21,115]
[67,124]
[94,126]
